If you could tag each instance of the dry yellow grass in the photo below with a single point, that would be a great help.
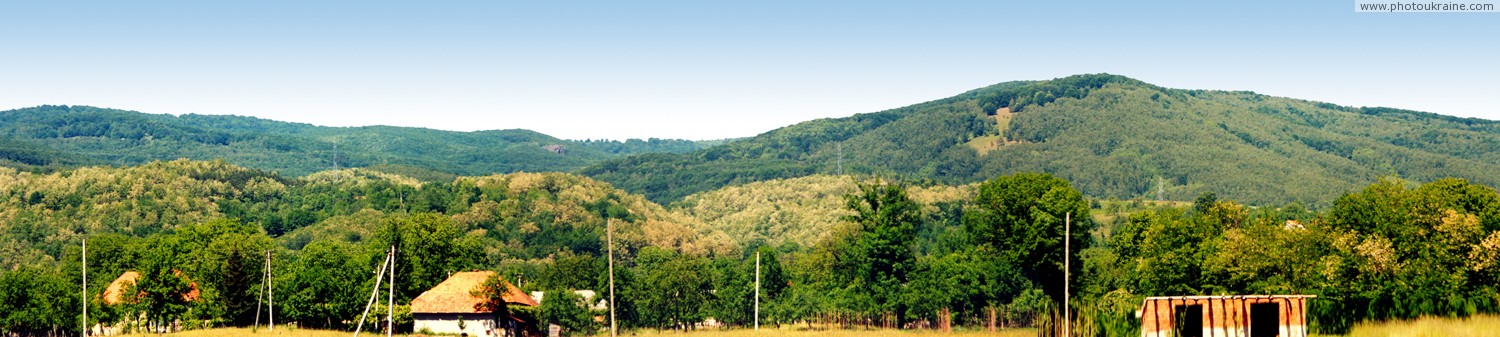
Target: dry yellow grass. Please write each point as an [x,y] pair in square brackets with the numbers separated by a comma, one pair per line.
[765,331]
[1484,325]
[281,331]
[789,331]
[985,144]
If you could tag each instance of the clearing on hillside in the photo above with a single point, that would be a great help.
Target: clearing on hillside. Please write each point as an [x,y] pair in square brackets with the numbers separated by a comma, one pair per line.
[985,144]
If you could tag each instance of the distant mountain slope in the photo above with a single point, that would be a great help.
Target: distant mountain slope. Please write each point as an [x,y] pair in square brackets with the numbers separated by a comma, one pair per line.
[71,135]
[1110,135]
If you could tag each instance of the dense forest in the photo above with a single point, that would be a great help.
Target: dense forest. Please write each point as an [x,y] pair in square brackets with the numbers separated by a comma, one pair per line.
[1112,136]
[50,136]
[892,252]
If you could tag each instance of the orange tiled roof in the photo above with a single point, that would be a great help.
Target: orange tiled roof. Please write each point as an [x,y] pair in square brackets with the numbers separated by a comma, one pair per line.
[454,295]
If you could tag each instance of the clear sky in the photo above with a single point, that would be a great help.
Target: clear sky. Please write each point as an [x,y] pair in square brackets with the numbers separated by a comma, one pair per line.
[709,69]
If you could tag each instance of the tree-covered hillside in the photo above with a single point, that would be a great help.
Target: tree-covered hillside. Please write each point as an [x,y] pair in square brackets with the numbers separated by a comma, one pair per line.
[1112,136]
[520,215]
[798,211]
[71,135]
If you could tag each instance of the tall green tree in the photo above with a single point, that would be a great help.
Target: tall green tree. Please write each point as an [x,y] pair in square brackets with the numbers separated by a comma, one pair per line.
[675,288]
[319,289]
[967,282]
[569,270]
[162,289]
[227,258]
[1020,219]
[877,258]
[565,308]
[36,301]
[734,292]
[627,290]
[429,247]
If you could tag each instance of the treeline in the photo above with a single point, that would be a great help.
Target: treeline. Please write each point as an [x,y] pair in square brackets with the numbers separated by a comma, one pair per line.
[1019,97]
[69,136]
[895,265]
[649,145]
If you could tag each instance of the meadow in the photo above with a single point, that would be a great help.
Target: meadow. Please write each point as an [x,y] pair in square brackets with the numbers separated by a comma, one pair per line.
[765,331]
[1481,325]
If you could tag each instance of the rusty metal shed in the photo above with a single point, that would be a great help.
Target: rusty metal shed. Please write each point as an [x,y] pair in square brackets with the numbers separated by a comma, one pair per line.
[1224,316]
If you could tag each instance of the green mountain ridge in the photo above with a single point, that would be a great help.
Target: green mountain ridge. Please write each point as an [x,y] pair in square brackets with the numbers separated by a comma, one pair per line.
[80,135]
[1111,136]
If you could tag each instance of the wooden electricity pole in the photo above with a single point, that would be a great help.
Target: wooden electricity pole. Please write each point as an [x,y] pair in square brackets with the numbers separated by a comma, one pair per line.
[379,275]
[260,298]
[390,295]
[757,290]
[610,236]
[85,287]
[270,294]
[1067,276]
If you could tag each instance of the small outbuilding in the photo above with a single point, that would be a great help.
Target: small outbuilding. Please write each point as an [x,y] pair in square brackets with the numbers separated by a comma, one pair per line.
[1225,315]
[442,308]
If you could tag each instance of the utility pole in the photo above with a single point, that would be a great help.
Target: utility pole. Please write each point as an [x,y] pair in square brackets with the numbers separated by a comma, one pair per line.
[260,298]
[379,274]
[270,294]
[86,285]
[390,297]
[1067,277]
[610,236]
[757,290]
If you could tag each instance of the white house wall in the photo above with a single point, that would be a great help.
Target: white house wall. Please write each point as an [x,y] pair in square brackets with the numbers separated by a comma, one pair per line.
[477,325]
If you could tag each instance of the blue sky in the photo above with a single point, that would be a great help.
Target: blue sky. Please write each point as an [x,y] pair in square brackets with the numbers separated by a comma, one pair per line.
[710,69]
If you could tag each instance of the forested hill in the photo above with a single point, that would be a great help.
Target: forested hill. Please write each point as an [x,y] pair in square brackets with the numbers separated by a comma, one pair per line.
[53,136]
[1109,135]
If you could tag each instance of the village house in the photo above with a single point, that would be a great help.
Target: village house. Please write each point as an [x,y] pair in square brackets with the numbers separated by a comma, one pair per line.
[441,309]
[1225,315]
[115,295]
[116,289]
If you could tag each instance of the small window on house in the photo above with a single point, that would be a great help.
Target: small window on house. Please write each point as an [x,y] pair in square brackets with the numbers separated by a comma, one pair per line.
[1187,320]
[1265,319]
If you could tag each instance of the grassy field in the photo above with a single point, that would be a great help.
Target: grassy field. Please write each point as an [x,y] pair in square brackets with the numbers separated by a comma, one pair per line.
[1485,325]
[788,331]
[281,331]
[785,331]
